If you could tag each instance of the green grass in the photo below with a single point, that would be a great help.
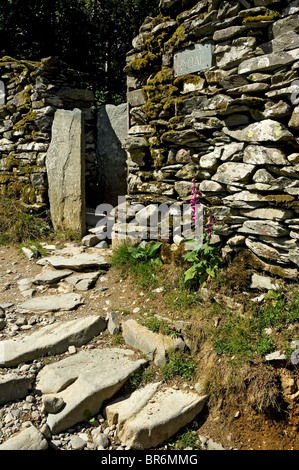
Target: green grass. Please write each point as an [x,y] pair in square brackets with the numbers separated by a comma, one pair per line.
[184,440]
[18,225]
[159,325]
[179,364]
[245,336]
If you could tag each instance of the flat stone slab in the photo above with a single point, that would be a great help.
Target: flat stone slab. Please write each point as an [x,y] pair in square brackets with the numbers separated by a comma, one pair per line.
[14,386]
[83,281]
[28,439]
[51,339]
[154,345]
[52,303]
[84,381]
[77,262]
[51,277]
[150,415]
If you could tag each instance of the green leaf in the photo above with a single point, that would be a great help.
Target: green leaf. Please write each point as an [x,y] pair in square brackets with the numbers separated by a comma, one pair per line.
[190,273]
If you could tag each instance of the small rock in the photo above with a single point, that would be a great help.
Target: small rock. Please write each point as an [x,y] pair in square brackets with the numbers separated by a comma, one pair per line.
[77,443]
[72,350]
[276,356]
[101,439]
[52,404]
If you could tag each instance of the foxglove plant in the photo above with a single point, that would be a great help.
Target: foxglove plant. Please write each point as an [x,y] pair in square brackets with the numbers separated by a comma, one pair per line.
[204,259]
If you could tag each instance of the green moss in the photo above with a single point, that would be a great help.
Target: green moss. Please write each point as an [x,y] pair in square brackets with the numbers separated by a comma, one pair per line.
[155,44]
[146,62]
[164,76]
[177,39]
[26,122]
[5,179]
[159,20]
[281,200]
[176,121]
[152,110]
[269,15]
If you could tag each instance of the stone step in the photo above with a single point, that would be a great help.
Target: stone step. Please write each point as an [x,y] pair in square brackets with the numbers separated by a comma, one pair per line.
[51,339]
[84,382]
[151,415]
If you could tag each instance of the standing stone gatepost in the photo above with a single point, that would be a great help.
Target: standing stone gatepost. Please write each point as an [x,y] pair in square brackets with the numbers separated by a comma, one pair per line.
[112,132]
[65,164]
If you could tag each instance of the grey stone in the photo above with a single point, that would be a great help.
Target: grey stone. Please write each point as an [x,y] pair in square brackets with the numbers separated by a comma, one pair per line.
[263,282]
[113,322]
[14,387]
[76,262]
[267,213]
[100,439]
[268,62]
[228,57]
[28,439]
[49,277]
[231,172]
[266,130]
[90,240]
[52,303]
[265,251]
[2,93]
[153,414]
[77,443]
[65,164]
[259,155]
[276,356]
[153,345]
[52,404]
[84,382]
[51,339]
[112,132]
[84,281]
[264,227]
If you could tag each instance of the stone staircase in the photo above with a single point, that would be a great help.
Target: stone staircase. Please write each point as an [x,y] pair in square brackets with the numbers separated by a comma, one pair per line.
[61,389]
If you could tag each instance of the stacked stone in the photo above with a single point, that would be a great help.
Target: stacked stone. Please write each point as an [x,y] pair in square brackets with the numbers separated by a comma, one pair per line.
[31,92]
[213,94]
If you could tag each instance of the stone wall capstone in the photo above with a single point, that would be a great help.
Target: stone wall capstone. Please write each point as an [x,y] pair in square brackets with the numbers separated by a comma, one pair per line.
[213,94]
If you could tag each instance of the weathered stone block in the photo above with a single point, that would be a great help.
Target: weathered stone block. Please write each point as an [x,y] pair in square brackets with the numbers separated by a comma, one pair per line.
[66,171]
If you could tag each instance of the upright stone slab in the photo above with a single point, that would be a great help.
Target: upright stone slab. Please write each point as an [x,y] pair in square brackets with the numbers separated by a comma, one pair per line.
[112,131]
[66,171]
[2,93]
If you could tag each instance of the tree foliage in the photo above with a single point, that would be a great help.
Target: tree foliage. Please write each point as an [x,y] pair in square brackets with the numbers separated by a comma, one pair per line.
[89,35]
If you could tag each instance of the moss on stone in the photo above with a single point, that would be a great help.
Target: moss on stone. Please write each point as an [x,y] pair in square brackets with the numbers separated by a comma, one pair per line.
[177,39]
[188,78]
[269,15]
[146,62]
[27,121]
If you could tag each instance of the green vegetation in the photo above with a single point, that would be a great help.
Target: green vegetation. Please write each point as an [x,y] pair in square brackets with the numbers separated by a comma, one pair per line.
[159,325]
[88,35]
[205,262]
[141,262]
[185,439]
[179,364]
[18,225]
[236,342]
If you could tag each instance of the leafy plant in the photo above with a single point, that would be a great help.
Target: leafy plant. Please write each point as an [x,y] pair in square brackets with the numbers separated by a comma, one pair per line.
[205,262]
[145,253]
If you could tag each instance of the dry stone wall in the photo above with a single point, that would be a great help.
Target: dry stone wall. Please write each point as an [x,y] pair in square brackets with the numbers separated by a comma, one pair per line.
[30,94]
[213,94]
